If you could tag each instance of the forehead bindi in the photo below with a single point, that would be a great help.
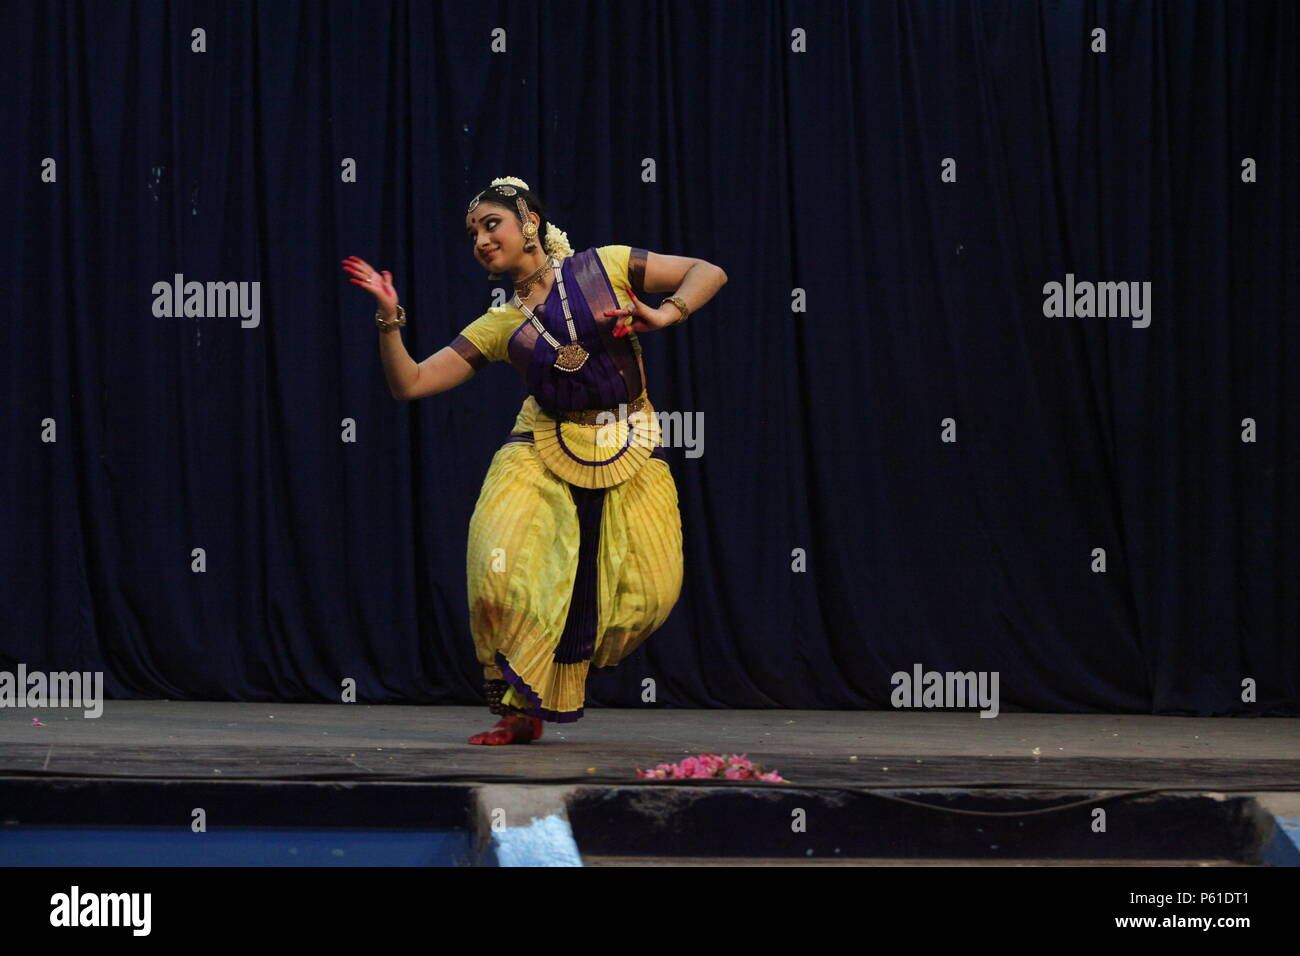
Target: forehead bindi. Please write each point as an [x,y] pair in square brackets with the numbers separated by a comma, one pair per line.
[475,220]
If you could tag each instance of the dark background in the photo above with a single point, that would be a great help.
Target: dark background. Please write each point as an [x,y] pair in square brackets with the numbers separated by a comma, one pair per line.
[817,171]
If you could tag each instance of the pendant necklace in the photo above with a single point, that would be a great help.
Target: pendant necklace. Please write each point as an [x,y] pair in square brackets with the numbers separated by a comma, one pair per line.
[571,357]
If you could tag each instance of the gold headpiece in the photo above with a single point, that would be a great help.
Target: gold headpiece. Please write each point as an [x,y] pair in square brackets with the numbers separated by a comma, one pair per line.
[557,242]
[506,183]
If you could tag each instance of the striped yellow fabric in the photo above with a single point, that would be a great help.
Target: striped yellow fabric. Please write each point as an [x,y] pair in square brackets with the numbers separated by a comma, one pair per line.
[523,557]
[606,454]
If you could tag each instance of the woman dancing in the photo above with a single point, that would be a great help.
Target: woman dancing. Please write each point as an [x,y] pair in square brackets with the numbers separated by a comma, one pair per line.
[575,544]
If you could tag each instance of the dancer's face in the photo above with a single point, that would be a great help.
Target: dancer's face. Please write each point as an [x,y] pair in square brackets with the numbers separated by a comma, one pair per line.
[497,236]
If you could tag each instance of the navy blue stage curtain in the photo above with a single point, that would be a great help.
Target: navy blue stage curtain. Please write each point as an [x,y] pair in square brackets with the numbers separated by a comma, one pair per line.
[917,450]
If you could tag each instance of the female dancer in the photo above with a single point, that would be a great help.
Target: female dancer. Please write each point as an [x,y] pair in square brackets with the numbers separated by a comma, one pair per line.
[575,544]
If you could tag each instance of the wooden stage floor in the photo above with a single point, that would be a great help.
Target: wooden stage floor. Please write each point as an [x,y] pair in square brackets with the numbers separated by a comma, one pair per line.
[856,749]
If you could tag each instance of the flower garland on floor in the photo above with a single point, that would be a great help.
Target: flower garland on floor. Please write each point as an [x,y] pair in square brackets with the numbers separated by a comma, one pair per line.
[733,767]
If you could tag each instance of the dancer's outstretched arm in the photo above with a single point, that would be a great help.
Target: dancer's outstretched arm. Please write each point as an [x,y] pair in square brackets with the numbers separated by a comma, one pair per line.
[443,370]
[407,380]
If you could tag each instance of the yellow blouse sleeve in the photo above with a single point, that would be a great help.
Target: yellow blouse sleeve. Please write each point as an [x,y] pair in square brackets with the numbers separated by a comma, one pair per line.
[625,266]
[485,339]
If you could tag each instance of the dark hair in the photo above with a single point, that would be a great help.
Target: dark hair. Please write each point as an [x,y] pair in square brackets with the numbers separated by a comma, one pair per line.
[531,200]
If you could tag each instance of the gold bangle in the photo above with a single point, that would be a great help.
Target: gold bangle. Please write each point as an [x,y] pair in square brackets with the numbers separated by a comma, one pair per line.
[681,306]
[389,326]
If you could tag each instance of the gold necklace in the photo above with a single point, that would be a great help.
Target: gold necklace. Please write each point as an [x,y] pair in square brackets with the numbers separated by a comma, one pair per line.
[524,287]
[568,358]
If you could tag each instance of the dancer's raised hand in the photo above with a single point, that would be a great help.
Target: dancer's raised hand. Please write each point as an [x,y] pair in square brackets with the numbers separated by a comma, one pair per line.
[379,283]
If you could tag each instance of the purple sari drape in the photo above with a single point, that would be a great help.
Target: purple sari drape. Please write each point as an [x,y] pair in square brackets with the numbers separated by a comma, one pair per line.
[612,372]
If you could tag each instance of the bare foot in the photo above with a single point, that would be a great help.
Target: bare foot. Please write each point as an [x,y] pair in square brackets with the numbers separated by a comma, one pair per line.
[514,729]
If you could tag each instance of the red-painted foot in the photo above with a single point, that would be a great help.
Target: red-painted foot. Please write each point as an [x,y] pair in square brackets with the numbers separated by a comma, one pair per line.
[510,730]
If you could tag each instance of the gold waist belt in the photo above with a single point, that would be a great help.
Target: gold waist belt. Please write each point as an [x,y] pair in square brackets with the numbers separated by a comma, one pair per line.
[593,416]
